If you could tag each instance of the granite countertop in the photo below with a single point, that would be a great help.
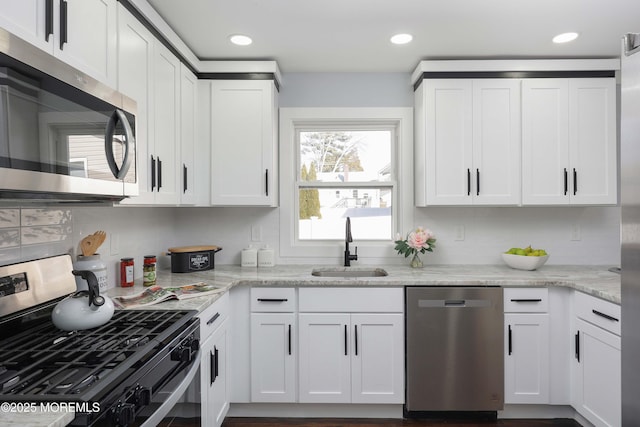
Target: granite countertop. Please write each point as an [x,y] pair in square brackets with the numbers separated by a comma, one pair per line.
[597,281]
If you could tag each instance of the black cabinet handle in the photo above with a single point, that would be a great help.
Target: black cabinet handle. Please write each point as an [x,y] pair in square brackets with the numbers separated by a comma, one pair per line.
[266,181]
[184,178]
[153,173]
[575,181]
[289,340]
[346,342]
[577,342]
[216,357]
[606,316]
[212,367]
[213,319]
[510,341]
[48,24]
[566,184]
[63,23]
[477,182]
[159,173]
[526,300]
[273,299]
[356,339]
[468,182]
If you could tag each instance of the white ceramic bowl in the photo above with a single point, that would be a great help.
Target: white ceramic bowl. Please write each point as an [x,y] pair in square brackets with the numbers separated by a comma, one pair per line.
[521,262]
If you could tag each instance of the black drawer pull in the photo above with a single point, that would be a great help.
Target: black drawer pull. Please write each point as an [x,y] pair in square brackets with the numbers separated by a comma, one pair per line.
[468,182]
[289,340]
[346,342]
[510,341]
[565,181]
[606,316]
[213,319]
[577,339]
[273,299]
[526,300]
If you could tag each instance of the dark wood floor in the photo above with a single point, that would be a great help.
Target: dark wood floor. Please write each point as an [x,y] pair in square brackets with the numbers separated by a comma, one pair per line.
[360,422]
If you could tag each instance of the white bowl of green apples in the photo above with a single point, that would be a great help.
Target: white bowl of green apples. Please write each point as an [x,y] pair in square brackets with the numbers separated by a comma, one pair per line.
[525,258]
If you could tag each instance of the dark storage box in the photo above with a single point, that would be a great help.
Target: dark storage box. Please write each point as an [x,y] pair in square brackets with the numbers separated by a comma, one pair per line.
[186,259]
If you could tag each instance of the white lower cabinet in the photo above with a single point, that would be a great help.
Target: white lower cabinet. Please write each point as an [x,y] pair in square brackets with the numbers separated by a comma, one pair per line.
[596,368]
[351,357]
[214,333]
[273,345]
[526,360]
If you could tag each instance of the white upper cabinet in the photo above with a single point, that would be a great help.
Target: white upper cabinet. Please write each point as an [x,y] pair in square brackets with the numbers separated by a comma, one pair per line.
[569,141]
[468,139]
[82,33]
[244,143]
[188,108]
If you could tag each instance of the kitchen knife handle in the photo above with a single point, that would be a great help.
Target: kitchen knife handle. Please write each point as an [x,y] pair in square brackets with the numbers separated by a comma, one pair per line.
[468,182]
[48,25]
[346,342]
[266,181]
[575,181]
[577,342]
[184,178]
[153,173]
[606,316]
[566,187]
[63,23]
[159,173]
[356,339]
[477,182]
[289,340]
[510,341]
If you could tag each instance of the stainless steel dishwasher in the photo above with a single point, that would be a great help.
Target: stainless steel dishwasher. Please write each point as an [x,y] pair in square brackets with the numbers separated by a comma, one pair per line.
[455,350]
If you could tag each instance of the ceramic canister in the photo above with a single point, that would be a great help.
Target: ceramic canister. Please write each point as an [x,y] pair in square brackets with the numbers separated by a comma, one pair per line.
[97,266]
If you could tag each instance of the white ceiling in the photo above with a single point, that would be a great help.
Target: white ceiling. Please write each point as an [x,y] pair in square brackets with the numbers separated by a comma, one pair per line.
[353,35]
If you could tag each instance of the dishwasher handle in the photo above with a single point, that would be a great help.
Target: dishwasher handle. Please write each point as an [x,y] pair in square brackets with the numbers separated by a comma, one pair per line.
[454,302]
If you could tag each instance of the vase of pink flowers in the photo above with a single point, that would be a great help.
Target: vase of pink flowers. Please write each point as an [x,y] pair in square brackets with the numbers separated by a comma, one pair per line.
[418,241]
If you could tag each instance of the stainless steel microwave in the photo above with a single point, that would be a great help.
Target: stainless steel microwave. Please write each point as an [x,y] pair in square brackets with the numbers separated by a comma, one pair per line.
[63,134]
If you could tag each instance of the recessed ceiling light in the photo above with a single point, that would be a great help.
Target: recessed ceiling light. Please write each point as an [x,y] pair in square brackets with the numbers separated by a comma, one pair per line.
[565,37]
[240,39]
[401,38]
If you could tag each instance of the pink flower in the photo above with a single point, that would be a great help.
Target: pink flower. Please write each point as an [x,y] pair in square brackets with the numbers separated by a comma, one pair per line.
[418,239]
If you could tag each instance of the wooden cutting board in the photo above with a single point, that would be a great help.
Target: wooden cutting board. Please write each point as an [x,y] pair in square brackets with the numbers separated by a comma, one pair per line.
[182,249]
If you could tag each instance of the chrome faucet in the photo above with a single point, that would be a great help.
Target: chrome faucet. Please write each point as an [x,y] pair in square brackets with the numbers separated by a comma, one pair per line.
[347,238]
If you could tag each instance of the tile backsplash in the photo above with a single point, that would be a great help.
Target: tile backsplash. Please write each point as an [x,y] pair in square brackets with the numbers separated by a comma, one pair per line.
[29,233]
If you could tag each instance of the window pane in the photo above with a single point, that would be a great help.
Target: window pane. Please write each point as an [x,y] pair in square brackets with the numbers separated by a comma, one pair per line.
[345,156]
[323,212]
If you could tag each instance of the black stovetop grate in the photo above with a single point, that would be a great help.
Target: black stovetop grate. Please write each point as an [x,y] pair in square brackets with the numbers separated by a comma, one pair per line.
[44,363]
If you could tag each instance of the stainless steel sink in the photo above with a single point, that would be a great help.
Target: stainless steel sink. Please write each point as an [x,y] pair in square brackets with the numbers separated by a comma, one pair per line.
[349,272]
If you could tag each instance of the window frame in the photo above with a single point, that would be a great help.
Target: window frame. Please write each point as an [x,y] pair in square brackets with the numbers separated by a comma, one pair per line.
[292,120]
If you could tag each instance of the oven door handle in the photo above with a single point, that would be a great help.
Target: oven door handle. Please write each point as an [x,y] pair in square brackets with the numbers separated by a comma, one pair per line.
[158,415]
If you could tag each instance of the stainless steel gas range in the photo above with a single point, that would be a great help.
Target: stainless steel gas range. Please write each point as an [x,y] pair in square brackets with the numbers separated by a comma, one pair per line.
[128,372]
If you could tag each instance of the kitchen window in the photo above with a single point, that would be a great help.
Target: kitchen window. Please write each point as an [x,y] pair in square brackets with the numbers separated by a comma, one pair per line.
[339,163]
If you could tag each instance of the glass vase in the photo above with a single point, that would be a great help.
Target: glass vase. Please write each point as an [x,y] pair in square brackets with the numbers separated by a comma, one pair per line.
[416,262]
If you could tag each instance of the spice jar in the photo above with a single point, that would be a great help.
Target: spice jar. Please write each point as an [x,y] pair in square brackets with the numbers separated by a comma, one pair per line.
[149,270]
[126,272]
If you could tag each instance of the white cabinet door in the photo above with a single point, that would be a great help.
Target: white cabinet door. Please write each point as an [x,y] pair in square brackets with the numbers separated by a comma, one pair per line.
[472,142]
[324,358]
[377,358]
[188,99]
[448,133]
[545,141]
[569,141]
[135,79]
[213,377]
[596,375]
[526,358]
[496,171]
[27,19]
[273,357]
[166,123]
[88,39]
[243,143]
[592,141]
